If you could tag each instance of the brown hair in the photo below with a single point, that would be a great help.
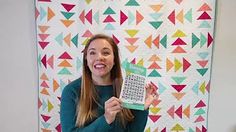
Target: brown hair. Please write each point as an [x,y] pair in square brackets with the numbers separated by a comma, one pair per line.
[88,101]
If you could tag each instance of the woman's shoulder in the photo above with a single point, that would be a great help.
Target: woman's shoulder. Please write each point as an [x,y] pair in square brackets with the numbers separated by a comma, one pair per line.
[73,87]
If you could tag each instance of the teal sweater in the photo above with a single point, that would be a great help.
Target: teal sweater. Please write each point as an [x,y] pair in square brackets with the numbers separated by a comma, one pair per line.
[69,99]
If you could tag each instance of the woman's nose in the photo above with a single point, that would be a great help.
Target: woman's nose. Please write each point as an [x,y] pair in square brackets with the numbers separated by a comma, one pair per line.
[100,57]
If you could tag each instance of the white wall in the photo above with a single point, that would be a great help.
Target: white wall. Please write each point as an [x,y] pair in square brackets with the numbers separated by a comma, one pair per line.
[18,68]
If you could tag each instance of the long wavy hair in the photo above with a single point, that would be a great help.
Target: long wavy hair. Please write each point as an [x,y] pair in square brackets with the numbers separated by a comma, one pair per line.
[88,101]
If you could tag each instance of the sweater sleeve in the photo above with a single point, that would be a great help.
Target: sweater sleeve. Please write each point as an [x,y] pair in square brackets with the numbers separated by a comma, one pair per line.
[68,116]
[139,122]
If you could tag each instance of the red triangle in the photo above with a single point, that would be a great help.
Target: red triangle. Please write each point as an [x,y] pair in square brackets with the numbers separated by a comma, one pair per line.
[44,60]
[44,0]
[178,88]
[81,16]
[163,130]
[205,7]
[179,112]
[202,63]
[115,39]
[204,16]
[204,129]
[133,61]
[179,41]
[139,17]
[156,41]
[186,64]
[109,19]
[171,17]
[123,17]
[44,84]
[154,65]
[200,104]
[36,13]
[50,61]
[154,118]
[89,16]
[208,87]
[43,44]
[58,127]
[131,40]
[68,7]
[65,55]
[178,49]
[209,40]
[45,118]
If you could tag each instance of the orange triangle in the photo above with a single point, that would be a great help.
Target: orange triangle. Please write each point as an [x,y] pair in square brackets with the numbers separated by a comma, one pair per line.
[156,102]
[44,91]
[43,29]
[139,17]
[169,64]
[45,130]
[187,111]
[204,7]
[178,49]
[154,65]
[156,8]
[44,77]
[148,41]
[64,63]
[156,41]
[154,58]
[51,14]
[178,96]
[131,48]
[55,85]
[67,39]
[180,16]
[67,23]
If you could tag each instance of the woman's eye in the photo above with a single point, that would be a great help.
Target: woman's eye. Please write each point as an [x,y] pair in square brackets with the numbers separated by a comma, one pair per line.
[106,53]
[92,53]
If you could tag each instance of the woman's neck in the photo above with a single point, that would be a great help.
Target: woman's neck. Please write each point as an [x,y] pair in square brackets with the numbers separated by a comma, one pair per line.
[102,80]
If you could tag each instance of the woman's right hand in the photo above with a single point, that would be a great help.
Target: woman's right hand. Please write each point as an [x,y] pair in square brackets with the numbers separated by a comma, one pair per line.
[112,107]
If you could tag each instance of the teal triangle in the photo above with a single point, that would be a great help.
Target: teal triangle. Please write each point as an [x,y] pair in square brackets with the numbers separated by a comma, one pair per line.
[195,88]
[203,55]
[200,112]
[156,24]
[130,17]
[204,24]
[156,16]
[78,64]
[109,11]
[62,85]
[161,88]
[178,80]
[132,3]
[191,130]
[124,63]
[44,105]
[59,39]
[202,71]
[45,124]
[195,40]
[64,71]
[109,27]
[96,17]
[67,15]
[203,40]
[164,41]
[42,13]
[75,40]
[39,61]
[154,73]
[188,16]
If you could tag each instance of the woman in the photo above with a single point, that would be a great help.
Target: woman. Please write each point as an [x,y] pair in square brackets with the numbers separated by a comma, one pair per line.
[91,103]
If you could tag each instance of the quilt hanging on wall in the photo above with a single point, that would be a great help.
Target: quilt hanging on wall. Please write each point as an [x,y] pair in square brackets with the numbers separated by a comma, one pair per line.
[173,39]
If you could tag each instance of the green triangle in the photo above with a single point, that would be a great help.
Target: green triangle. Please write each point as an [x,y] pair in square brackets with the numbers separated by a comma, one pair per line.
[164,41]
[156,24]
[64,71]
[161,88]
[203,40]
[202,71]
[109,27]
[156,16]
[188,15]
[195,40]
[154,73]
[178,80]
[59,39]
[67,15]
[109,11]
[204,24]
[200,112]
[124,63]
[78,64]
[191,130]
[195,88]
[131,17]
[75,40]
[132,3]
[96,17]
[42,13]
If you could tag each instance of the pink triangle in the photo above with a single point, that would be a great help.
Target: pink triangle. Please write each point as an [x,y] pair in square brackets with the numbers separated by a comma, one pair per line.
[199,119]
[209,40]
[202,63]
[204,16]
[200,104]
[36,13]
[43,60]
[133,61]
[208,87]
[45,0]
[178,1]
[179,41]
[87,34]
[81,16]
[43,36]
[109,19]
[44,84]
[163,130]
[154,118]
[178,88]
[204,129]
[39,103]
[123,17]
[58,128]
[115,39]
[205,7]
[179,112]
[171,111]
[43,44]
[155,87]
[131,40]
[186,64]
[171,17]
[68,7]
[50,61]
[89,16]
[45,118]
[65,55]
[198,129]
[139,17]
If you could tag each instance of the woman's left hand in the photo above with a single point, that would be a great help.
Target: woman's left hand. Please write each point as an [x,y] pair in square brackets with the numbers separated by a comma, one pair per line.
[151,95]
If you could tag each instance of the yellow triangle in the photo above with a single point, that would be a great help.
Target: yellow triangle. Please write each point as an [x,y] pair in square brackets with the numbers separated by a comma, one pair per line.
[178,96]
[64,63]
[154,58]
[203,87]
[132,32]
[51,14]
[169,64]
[178,65]
[180,16]
[128,73]
[148,41]
[148,129]
[88,1]
[178,34]
[67,39]
[85,41]
[140,62]
[154,110]
[50,106]
[67,23]
[156,8]
[43,29]
[44,77]
[131,48]
[55,85]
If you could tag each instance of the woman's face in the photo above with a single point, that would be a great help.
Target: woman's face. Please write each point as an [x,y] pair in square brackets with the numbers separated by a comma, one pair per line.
[100,58]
